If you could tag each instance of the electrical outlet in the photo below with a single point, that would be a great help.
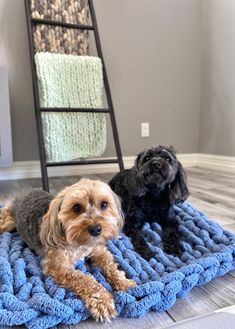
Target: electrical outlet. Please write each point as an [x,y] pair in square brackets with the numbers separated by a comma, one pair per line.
[145,129]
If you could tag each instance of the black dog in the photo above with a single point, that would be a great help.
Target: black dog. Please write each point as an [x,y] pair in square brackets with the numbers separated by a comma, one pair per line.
[148,192]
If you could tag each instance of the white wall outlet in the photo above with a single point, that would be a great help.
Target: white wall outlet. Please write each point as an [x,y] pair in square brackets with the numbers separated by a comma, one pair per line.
[145,129]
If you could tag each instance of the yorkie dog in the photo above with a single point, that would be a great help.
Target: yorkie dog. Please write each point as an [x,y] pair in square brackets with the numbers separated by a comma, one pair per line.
[149,190]
[76,223]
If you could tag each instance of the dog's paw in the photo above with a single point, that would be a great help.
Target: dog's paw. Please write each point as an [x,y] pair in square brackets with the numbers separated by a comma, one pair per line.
[101,306]
[7,221]
[123,284]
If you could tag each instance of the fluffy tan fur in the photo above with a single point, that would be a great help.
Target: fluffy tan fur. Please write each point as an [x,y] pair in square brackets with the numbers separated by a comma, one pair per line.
[7,220]
[65,236]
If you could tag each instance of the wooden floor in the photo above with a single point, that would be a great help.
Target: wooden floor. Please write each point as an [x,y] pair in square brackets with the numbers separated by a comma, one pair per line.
[212,192]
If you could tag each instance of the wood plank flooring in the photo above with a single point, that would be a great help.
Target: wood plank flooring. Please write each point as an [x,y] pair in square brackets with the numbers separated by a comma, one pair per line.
[212,192]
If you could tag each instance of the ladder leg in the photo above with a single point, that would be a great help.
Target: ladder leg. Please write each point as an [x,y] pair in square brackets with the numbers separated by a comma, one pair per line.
[45,182]
[42,155]
[107,88]
[116,140]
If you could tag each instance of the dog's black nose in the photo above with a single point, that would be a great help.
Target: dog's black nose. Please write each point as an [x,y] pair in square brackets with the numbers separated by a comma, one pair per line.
[95,230]
[157,165]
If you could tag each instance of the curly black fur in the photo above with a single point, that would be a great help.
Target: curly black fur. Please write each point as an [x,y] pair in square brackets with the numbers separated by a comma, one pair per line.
[148,192]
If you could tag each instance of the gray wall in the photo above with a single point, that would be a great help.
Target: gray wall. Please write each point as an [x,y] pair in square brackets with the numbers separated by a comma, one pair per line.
[217,133]
[14,53]
[152,54]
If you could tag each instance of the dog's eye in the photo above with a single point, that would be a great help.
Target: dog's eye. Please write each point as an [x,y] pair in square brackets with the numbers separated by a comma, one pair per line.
[168,159]
[147,158]
[104,205]
[77,208]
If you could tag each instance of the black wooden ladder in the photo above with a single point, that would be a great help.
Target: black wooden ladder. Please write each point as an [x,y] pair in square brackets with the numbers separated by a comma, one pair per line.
[38,110]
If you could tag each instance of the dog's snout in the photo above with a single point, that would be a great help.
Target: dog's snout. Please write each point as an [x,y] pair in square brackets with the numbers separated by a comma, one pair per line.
[157,165]
[95,230]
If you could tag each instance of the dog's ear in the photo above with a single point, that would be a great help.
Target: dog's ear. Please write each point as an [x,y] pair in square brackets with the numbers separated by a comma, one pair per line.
[178,188]
[170,149]
[138,158]
[52,233]
[135,184]
[119,209]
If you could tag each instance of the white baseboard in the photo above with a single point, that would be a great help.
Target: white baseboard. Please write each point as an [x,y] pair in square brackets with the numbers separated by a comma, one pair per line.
[31,169]
[217,162]
[188,160]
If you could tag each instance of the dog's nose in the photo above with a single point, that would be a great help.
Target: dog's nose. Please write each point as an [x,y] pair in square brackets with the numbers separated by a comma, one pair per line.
[95,230]
[157,165]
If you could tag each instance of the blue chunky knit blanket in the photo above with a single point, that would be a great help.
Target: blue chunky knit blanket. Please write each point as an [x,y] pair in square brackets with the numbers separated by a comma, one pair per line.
[27,297]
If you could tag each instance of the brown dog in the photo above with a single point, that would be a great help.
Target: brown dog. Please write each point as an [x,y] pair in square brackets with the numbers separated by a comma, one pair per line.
[77,223]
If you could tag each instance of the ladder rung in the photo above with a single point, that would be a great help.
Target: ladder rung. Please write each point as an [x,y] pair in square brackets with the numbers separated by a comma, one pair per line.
[82,162]
[70,109]
[62,24]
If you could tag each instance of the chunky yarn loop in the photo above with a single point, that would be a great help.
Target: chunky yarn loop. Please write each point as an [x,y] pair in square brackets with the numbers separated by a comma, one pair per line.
[28,297]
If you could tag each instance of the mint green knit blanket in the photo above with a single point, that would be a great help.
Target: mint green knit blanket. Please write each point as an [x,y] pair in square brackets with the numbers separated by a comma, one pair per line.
[68,81]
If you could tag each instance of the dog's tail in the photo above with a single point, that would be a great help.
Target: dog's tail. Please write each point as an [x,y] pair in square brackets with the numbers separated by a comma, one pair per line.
[7,219]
